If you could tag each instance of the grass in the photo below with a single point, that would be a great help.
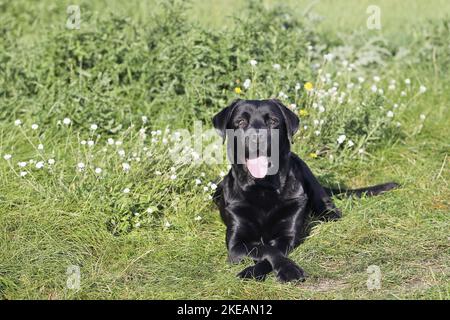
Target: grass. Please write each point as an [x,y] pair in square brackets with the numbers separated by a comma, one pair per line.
[59,216]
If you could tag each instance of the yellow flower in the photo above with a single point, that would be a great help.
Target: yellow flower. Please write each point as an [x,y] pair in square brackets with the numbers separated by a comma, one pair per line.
[313,155]
[237,90]
[308,86]
[303,113]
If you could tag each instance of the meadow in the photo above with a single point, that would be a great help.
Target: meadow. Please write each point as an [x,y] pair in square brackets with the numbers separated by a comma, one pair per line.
[96,201]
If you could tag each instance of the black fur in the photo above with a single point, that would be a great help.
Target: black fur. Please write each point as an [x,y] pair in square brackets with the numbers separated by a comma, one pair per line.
[265,217]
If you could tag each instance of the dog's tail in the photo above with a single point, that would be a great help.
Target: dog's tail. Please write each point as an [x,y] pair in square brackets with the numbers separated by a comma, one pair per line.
[368,191]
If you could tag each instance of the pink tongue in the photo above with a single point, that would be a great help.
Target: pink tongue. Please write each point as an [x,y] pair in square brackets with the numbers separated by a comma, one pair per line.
[258,167]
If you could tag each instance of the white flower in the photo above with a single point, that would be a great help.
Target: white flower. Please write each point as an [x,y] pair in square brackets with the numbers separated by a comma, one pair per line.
[297,86]
[341,138]
[198,181]
[422,117]
[222,174]
[376,79]
[198,218]
[321,109]
[407,82]
[18,122]
[98,170]
[150,210]
[40,146]
[213,186]
[205,188]
[83,142]
[350,143]
[7,156]
[374,88]
[317,132]
[158,173]
[350,85]
[80,166]
[94,127]
[276,66]
[121,152]
[167,224]
[328,57]
[253,62]
[403,94]
[361,79]
[380,91]
[137,224]
[51,161]
[144,119]
[110,141]
[390,114]
[34,126]
[126,190]
[90,143]
[118,143]
[40,164]
[173,177]
[282,95]
[67,121]
[22,164]
[391,87]
[23,173]
[247,83]
[395,106]
[361,151]
[126,167]
[422,89]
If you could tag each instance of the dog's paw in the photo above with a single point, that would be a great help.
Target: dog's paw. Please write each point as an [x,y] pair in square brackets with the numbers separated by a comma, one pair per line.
[332,215]
[252,272]
[290,272]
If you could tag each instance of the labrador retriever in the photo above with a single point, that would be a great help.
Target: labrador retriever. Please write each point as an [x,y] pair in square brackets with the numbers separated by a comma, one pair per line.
[265,212]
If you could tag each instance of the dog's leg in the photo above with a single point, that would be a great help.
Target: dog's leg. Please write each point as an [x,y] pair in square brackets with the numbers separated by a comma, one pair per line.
[258,271]
[321,203]
[285,269]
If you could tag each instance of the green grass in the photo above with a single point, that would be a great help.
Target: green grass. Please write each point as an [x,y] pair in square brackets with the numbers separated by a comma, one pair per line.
[58,216]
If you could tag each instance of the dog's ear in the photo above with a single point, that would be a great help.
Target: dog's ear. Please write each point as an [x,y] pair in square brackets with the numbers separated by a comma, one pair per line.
[220,120]
[290,118]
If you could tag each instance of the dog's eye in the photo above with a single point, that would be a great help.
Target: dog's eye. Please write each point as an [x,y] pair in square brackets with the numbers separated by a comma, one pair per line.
[272,122]
[242,123]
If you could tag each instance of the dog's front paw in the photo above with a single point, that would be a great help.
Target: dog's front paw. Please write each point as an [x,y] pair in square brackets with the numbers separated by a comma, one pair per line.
[290,272]
[252,272]
[332,215]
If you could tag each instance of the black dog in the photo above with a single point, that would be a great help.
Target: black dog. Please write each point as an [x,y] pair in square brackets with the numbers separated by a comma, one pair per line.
[265,214]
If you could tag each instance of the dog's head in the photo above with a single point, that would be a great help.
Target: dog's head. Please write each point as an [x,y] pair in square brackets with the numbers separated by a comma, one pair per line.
[259,133]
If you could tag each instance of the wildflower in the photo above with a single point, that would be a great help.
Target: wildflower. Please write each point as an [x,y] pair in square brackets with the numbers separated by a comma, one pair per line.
[83,142]
[391,87]
[198,181]
[237,90]
[350,85]
[67,121]
[341,138]
[321,109]
[276,66]
[361,79]
[23,173]
[126,167]
[422,89]
[407,82]
[376,79]
[34,126]
[308,86]
[282,95]
[297,86]
[303,113]
[403,94]
[121,152]
[317,132]
[305,127]
[422,117]
[374,88]
[144,119]
[94,127]
[150,210]
[90,143]
[98,170]
[395,106]
[22,164]
[350,143]
[158,173]
[222,174]
[213,186]
[313,155]
[39,164]
[328,57]
[126,190]
[137,224]
[167,224]
[253,62]
[40,146]
[118,143]
[7,157]
[390,114]
[80,166]
[51,161]
[246,84]
[173,177]
[110,141]
[198,218]
[205,188]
